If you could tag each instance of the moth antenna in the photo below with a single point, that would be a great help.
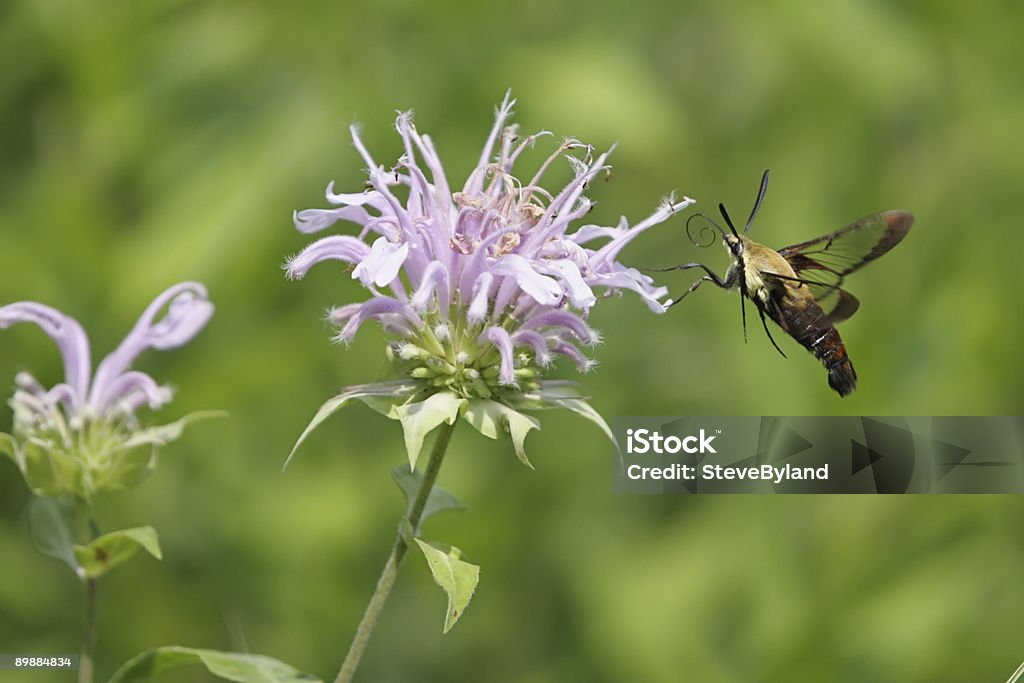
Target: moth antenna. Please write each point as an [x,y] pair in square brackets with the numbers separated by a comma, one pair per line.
[703,230]
[757,204]
[725,215]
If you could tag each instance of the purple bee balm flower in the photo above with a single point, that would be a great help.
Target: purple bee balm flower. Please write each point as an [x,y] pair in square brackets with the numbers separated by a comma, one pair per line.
[485,286]
[82,435]
[496,269]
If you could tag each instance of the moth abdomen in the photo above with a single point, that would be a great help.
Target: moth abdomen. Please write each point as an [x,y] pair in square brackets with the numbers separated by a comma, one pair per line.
[831,351]
[806,322]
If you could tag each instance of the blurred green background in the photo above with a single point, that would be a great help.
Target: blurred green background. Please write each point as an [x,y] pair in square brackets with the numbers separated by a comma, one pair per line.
[146,143]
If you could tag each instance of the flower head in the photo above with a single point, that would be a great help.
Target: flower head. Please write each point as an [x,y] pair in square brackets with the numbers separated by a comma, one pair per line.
[485,286]
[82,435]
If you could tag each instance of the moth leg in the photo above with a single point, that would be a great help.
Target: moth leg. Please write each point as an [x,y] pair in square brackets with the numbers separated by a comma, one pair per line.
[686,266]
[710,277]
[694,286]
[769,332]
[671,268]
[743,315]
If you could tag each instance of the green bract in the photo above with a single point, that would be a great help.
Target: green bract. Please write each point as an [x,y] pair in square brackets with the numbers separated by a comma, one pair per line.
[454,357]
[99,455]
[421,409]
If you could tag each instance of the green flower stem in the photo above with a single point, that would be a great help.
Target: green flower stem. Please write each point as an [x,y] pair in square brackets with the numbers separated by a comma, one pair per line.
[85,663]
[83,517]
[398,550]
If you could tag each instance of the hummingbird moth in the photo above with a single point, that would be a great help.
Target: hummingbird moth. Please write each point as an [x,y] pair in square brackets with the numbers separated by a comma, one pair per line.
[799,287]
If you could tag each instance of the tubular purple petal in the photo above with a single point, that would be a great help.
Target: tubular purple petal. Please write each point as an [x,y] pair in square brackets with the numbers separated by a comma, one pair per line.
[335,247]
[589,233]
[503,342]
[633,280]
[382,264]
[370,198]
[434,283]
[315,220]
[481,295]
[65,331]
[570,321]
[135,389]
[475,183]
[339,314]
[536,341]
[379,181]
[476,262]
[433,162]
[187,313]
[63,394]
[543,289]
[508,291]
[579,293]
[374,308]
[551,222]
[583,364]
[418,181]
[610,251]
[24,380]
[357,142]
[37,405]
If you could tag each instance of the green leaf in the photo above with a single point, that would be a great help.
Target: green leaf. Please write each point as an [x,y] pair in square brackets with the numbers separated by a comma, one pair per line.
[493,420]
[110,550]
[9,445]
[232,666]
[438,500]
[485,416]
[581,407]
[577,405]
[419,419]
[519,426]
[385,405]
[51,523]
[457,578]
[382,389]
[164,434]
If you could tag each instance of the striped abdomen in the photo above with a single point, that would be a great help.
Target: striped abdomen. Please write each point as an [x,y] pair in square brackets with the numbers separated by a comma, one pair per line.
[831,351]
[800,316]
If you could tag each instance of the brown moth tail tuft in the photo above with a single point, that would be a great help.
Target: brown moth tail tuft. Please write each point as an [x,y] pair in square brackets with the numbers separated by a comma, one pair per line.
[831,351]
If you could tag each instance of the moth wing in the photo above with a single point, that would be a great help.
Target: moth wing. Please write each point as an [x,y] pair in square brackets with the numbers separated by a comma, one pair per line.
[836,303]
[849,248]
[824,262]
